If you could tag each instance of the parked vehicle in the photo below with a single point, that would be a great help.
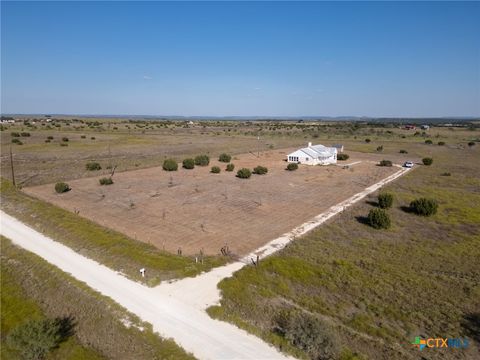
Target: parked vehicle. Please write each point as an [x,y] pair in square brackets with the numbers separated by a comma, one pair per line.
[408,164]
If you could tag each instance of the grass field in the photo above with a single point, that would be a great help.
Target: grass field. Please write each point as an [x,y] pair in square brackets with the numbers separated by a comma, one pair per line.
[32,288]
[378,289]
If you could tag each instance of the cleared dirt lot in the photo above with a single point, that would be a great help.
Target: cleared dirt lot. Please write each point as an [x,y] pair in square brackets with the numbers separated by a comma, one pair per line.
[195,209]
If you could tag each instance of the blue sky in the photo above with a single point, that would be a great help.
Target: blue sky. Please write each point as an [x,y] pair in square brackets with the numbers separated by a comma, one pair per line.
[241,58]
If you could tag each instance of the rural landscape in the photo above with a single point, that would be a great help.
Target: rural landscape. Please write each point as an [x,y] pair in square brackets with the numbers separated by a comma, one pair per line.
[256,221]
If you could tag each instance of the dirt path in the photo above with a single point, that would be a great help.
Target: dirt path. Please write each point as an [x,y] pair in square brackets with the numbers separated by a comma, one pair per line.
[176,309]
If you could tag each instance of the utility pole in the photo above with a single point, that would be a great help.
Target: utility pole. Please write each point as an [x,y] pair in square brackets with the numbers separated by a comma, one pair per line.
[258,146]
[11,165]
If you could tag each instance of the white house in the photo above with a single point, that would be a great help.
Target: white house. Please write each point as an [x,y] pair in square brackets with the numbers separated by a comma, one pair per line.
[314,155]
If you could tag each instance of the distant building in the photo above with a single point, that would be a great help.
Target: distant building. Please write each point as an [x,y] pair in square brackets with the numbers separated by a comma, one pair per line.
[410,127]
[425,127]
[314,155]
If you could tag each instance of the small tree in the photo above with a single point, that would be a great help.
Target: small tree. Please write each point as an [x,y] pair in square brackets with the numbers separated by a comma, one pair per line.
[367,140]
[385,163]
[380,148]
[93,166]
[65,139]
[188,163]
[427,161]
[244,173]
[471,143]
[202,160]
[224,158]
[403,151]
[61,187]
[230,167]
[106,181]
[342,157]
[385,200]
[378,219]
[428,142]
[15,134]
[441,143]
[17,141]
[215,170]
[25,134]
[424,206]
[292,167]
[260,170]
[170,165]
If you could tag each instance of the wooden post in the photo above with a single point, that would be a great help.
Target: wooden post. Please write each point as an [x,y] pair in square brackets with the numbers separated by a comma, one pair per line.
[11,165]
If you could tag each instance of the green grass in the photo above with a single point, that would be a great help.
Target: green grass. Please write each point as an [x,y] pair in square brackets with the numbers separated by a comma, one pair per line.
[108,247]
[32,288]
[379,289]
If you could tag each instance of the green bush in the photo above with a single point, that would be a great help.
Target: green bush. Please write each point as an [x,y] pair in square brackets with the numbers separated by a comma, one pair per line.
[93,166]
[61,187]
[260,170]
[292,167]
[63,144]
[367,140]
[202,160]
[441,143]
[378,219]
[50,137]
[25,134]
[385,163]
[15,134]
[342,156]
[424,206]
[385,200]
[35,338]
[170,165]
[446,174]
[92,138]
[403,151]
[65,139]
[471,143]
[380,148]
[244,173]
[17,141]
[312,335]
[83,136]
[224,158]
[188,163]
[428,142]
[230,167]
[427,161]
[215,170]
[106,181]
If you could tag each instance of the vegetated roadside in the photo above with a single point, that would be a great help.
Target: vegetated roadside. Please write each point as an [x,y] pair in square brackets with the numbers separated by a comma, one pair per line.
[372,291]
[108,247]
[34,289]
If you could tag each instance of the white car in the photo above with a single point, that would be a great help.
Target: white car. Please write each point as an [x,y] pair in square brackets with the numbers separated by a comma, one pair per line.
[408,164]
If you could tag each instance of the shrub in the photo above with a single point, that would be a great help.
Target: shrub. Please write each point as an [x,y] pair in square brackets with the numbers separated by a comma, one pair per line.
[292,167]
[230,167]
[92,166]
[471,143]
[403,151]
[260,170]
[441,143]
[61,187]
[65,139]
[170,165]
[446,174]
[343,156]
[427,161]
[15,134]
[48,140]
[224,158]
[202,160]
[50,137]
[385,200]
[244,173]
[188,163]
[367,140]
[63,144]
[424,206]
[35,338]
[83,137]
[313,336]
[92,138]
[106,181]
[215,170]
[380,148]
[428,142]
[385,163]
[378,219]
[17,141]
[25,134]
